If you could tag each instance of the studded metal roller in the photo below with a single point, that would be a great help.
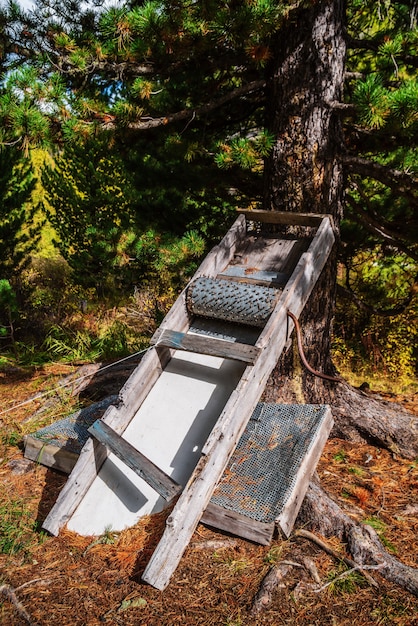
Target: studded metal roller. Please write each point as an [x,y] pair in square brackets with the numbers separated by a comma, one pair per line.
[232,301]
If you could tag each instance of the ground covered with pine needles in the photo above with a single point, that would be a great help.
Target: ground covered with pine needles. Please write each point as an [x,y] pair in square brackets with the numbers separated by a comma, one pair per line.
[86,581]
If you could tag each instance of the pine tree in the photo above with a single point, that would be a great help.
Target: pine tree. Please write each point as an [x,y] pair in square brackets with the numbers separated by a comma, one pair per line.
[324,92]
[19,236]
[90,207]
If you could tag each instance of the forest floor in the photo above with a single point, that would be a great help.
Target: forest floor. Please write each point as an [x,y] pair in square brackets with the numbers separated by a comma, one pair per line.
[77,581]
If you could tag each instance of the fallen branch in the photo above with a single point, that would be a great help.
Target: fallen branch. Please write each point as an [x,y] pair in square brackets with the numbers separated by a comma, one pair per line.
[10,593]
[366,547]
[328,519]
[327,548]
[272,581]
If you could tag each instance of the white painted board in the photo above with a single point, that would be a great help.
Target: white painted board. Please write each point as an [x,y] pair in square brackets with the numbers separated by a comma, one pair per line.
[170,428]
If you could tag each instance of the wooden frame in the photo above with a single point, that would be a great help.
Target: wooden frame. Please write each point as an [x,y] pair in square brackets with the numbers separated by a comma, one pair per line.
[233,420]
[225,435]
[136,388]
[140,464]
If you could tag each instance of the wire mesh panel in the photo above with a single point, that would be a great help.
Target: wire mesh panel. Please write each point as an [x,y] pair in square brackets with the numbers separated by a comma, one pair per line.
[71,432]
[262,471]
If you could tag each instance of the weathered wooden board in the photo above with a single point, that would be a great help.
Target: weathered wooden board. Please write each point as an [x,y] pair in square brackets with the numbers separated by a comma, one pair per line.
[237,524]
[283,217]
[261,257]
[136,388]
[288,515]
[138,462]
[50,455]
[255,276]
[207,345]
[233,420]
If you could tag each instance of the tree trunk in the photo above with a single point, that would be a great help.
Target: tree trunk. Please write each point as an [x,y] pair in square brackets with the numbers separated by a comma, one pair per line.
[304,173]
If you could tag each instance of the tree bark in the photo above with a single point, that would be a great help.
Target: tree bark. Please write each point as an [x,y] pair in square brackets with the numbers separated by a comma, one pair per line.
[304,173]
[325,517]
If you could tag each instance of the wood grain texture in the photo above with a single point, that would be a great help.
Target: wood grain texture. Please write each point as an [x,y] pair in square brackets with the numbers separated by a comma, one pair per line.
[49,455]
[288,515]
[233,420]
[208,345]
[133,458]
[237,524]
[283,217]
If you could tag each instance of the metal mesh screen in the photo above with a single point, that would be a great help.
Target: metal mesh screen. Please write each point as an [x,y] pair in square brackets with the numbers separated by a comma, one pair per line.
[262,471]
[71,432]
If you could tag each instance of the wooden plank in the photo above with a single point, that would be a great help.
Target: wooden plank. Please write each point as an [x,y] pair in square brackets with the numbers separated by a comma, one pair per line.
[93,454]
[238,410]
[136,388]
[203,344]
[237,524]
[49,455]
[288,515]
[254,276]
[283,217]
[138,462]
[258,253]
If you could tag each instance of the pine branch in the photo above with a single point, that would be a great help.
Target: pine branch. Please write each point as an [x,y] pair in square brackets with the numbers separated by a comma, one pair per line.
[373,46]
[401,182]
[146,123]
[378,226]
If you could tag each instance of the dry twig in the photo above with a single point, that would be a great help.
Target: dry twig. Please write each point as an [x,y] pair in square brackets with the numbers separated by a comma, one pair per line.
[10,593]
[324,546]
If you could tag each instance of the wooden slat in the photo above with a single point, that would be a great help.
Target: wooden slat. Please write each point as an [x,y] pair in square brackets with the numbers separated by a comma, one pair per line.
[139,463]
[136,388]
[49,455]
[237,524]
[238,410]
[281,217]
[288,515]
[204,344]
[257,277]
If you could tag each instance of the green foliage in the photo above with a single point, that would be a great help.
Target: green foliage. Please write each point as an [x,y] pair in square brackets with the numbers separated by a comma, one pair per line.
[18,235]
[12,438]
[244,152]
[366,341]
[381,528]
[341,456]
[28,105]
[16,527]
[8,311]
[274,554]
[8,300]
[371,99]
[167,260]
[390,610]
[109,340]
[90,200]
[342,581]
